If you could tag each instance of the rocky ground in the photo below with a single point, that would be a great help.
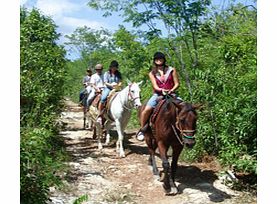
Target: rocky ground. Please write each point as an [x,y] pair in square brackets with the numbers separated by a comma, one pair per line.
[103,177]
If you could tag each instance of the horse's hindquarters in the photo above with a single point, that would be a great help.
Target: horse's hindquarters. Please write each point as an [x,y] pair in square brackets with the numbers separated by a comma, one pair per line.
[97,129]
[93,112]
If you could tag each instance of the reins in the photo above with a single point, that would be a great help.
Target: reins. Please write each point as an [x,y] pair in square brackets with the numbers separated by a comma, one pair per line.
[132,98]
[183,133]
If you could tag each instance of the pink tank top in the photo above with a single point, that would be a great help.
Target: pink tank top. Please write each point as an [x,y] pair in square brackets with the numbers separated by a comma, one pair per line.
[166,81]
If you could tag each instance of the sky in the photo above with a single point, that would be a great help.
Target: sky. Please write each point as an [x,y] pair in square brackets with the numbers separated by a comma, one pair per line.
[70,14]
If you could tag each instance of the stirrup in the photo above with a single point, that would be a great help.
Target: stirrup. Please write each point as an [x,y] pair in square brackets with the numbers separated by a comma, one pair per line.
[144,128]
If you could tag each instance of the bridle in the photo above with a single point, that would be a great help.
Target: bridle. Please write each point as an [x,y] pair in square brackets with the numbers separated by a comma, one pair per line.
[129,94]
[183,133]
[130,97]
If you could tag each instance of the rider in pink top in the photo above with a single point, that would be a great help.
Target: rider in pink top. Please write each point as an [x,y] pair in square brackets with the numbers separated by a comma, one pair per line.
[164,79]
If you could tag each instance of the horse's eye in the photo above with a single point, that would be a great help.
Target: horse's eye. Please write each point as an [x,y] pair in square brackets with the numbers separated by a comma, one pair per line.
[133,91]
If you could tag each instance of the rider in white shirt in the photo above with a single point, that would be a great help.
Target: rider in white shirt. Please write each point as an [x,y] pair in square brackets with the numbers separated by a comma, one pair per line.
[96,83]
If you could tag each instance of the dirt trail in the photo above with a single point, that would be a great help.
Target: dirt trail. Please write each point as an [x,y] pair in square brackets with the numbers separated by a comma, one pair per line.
[105,178]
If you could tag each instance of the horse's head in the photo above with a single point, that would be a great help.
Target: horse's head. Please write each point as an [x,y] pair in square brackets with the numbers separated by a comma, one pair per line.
[134,94]
[186,122]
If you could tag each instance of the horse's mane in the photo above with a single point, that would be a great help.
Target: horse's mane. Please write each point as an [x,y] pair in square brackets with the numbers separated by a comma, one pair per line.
[167,109]
[170,105]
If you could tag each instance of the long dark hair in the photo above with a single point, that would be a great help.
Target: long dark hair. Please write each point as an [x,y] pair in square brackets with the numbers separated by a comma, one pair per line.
[117,73]
[154,68]
[158,55]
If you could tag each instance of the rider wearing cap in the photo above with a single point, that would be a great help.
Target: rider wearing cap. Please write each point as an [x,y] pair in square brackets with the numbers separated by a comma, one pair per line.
[96,83]
[164,79]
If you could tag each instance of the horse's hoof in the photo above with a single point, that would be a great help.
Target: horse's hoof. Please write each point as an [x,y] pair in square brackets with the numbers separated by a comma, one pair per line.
[167,189]
[171,191]
[100,147]
[122,155]
[156,172]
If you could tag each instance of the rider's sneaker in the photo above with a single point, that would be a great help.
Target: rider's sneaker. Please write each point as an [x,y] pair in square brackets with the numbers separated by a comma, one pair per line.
[140,136]
[99,120]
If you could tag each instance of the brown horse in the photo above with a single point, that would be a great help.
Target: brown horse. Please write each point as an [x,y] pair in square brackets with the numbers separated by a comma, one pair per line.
[173,124]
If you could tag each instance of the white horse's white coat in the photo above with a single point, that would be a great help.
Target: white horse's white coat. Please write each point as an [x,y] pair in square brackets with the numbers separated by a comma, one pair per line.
[120,110]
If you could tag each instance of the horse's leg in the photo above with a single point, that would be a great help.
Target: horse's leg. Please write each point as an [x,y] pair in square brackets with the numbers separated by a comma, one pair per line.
[87,120]
[93,129]
[108,128]
[152,146]
[168,184]
[99,133]
[166,166]
[84,103]
[84,117]
[92,119]
[175,156]
[119,143]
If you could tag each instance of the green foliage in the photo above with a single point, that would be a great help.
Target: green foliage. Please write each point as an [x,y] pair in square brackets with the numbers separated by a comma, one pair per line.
[226,81]
[133,56]
[87,40]
[81,199]
[73,79]
[42,67]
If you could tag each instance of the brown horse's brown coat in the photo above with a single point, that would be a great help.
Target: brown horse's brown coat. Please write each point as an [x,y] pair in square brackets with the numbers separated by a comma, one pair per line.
[162,136]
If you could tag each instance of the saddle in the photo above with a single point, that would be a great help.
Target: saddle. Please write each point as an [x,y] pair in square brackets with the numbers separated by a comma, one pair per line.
[161,100]
[156,110]
[153,116]
[110,98]
[107,105]
[96,100]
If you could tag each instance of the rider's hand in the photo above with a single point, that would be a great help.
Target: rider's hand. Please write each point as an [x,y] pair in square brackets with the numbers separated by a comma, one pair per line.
[165,91]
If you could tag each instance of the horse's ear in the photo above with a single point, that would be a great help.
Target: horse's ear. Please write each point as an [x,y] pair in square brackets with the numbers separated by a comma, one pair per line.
[129,82]
[197,106]
[178,105]
[139,83]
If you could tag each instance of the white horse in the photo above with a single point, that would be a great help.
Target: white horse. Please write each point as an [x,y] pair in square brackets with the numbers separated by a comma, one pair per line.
[120,112]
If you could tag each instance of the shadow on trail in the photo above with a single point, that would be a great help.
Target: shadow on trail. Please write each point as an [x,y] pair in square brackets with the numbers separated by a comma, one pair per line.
[75,175]
[188,176]
[78,151]
[194,178]
[132,147]
[81,150]
[136,149]
[70,128]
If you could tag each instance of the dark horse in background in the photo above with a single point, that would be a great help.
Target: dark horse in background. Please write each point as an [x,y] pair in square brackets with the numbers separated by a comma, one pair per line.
[83,103]
[173,124]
